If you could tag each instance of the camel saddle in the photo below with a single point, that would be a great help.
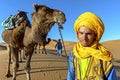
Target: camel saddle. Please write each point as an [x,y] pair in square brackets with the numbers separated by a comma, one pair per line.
[12,21]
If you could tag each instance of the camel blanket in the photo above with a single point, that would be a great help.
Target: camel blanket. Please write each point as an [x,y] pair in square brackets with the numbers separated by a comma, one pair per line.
[9,22]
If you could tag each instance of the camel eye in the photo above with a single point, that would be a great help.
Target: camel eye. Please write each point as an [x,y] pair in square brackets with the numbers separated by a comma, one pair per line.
[44,8]
[60,12]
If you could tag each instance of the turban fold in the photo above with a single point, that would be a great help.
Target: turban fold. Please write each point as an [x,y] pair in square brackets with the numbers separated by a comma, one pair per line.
[91,21]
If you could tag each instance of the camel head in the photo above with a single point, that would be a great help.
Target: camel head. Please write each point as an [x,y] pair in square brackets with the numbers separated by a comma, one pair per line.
[43,19]
[59,17]
[52,14]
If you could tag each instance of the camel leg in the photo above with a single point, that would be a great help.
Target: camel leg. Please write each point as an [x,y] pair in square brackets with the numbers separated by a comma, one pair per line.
[8,72]
[44,50]
[23,57]
[23,54]
[15,61]
[39,48]
[35,48]
[27,68]
[28,60]
[20,55]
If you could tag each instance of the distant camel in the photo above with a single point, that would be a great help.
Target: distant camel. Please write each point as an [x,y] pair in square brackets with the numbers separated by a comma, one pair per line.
[26,35]
[43,50]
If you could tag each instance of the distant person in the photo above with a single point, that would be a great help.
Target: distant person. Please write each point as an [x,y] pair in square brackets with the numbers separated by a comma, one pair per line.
[59,48]
[89,59]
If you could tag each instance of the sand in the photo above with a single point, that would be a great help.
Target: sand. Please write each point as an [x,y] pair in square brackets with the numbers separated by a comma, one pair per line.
[50,66]
[43,67]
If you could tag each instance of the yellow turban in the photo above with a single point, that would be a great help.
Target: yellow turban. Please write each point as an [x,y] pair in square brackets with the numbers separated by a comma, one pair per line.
[91,21]
[97,50]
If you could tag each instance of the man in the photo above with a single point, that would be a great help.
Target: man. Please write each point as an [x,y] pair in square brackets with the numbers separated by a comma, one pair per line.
[59,47]
[89,59]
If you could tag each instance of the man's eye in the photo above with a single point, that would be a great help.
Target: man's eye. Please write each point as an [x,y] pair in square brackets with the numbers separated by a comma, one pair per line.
[89,33]
[80,32]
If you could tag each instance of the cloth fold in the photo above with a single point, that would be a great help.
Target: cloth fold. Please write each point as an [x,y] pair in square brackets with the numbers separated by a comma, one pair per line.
[91,21]
[96,50]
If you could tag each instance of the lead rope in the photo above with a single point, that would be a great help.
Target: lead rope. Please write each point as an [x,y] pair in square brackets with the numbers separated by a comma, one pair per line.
[59,28]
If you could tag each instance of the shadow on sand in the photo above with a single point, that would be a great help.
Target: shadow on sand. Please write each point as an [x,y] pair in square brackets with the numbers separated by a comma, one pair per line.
[44,69]
[44,59]
[117,70]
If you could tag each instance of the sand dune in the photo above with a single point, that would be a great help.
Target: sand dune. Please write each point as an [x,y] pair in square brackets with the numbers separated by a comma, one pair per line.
[114,47]
[52,67]
[3,46]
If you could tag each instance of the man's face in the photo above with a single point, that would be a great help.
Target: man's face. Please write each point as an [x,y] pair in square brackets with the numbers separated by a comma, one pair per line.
[86,36]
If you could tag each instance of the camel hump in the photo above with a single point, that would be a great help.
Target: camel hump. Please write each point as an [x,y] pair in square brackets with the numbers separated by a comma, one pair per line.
[21,13]
[20,16]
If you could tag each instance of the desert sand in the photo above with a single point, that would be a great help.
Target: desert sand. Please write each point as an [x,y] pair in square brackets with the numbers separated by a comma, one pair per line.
[50,66]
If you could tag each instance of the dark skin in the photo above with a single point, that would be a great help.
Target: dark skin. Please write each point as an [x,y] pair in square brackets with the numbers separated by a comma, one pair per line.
[86,36]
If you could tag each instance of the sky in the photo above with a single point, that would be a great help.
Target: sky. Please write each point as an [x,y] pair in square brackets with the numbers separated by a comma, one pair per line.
[107,10]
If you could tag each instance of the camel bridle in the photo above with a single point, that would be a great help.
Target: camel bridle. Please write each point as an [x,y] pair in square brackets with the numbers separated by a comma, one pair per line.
[59,28]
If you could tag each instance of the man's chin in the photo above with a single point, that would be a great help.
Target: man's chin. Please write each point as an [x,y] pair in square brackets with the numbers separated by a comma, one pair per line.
[85,45]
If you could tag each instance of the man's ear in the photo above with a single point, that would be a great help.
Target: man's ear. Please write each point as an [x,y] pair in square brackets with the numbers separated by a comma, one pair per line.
[95,36]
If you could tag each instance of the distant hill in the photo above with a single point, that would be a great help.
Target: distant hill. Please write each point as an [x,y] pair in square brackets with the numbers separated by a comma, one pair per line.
[112,45]
[3,46]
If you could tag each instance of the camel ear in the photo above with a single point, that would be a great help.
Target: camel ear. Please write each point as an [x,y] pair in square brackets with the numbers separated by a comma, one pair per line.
[35,6]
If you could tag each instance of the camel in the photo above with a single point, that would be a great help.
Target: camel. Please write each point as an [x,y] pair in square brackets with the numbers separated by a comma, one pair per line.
[43,50]
[26,35]
[13,36]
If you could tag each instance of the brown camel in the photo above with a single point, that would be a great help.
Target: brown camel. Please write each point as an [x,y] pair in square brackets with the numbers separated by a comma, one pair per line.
[26,35]
[43,50]
[13,36]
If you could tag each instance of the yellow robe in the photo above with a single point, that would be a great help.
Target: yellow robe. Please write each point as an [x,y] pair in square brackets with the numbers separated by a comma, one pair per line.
[96,70]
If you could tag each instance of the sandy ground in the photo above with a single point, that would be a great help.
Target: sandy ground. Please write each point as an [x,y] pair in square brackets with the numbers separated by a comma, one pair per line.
[43,67]
[50,66]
